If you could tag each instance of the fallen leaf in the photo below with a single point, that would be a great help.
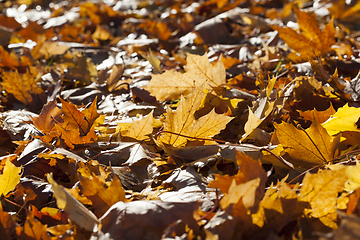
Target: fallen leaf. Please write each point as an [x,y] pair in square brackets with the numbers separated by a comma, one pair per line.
[49,116]
[311,41]
[24,88]
[198,71]
[77,212]
[344,119]
[307,147]
[9,178]
[182,121]
[321,191]
[140,129]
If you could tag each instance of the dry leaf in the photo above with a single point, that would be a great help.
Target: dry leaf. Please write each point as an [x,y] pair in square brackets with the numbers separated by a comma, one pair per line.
[10,177]
[307,147]
[199,71]
[182,121]
[77,212]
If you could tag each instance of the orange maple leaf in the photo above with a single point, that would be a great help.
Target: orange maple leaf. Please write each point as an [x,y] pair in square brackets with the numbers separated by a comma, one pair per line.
[311,41]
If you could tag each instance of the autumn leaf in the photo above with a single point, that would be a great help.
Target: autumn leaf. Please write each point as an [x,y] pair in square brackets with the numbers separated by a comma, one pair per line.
[24,88]
[49,116]
[248,169]
[34,229]
[77,212]
[198,71]
[279,206]
[7,225]
[9,178]
[321,190]
[182,121]
[311,40]
[307,147]
[344,119]
[139,130]
[321,116]
[102,195]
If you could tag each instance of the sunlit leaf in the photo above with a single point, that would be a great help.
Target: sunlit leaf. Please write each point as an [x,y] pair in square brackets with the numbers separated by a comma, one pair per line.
[9,178]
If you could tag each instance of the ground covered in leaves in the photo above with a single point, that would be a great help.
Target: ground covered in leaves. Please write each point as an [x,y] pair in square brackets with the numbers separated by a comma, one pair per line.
[218,119]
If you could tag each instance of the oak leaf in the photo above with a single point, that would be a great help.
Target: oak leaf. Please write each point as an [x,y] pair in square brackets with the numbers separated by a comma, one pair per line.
[306,147]
[182,121]
[198,71]
[9,178]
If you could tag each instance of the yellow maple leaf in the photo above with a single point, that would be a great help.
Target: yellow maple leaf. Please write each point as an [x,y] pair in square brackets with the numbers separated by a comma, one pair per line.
[279,206]
[353,174]
[307,147]
[9,178]
[182,121]
[140,130]
[343,120]
[198,71]
[321,191]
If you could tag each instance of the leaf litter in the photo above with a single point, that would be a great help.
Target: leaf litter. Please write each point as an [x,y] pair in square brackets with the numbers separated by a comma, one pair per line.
[179,120]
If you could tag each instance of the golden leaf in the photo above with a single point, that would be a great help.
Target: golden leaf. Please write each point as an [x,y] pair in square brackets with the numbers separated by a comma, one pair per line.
[140,130]
[198,71]
[343,120]
[321,191]
[306,147]
[77,212]
[9,178]
[182,121]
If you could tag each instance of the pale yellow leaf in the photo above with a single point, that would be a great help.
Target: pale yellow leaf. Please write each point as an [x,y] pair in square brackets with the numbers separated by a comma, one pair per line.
[10,177]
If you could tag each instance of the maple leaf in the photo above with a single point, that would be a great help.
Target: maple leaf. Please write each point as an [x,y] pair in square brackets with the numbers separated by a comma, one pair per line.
[344,119]
[77,212]
[139,130]
[24,88]
[306,147]
[9,178]
[321,116]
[94,188]
[279,206]
[248,169]
[34,229]
[321,190]
[78,126]
[50,114]
[311,40]
[182,121]
[198,71]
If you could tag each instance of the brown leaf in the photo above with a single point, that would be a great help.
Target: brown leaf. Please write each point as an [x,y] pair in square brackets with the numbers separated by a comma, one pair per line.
[49,116]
